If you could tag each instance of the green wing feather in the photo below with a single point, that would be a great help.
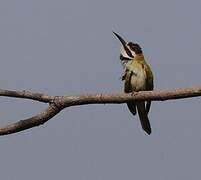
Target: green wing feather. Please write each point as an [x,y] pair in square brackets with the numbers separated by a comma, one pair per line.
[149,85]
[127,89]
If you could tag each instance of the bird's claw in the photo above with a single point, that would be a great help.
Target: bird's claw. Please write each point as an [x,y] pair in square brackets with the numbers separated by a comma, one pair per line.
[134,93]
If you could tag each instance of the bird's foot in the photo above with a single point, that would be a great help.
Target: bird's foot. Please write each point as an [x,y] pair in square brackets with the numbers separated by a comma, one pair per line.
[134,93]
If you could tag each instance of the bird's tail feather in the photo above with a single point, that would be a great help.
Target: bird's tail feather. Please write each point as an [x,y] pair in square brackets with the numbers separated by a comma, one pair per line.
[148,105]
[132,107]
[143,117]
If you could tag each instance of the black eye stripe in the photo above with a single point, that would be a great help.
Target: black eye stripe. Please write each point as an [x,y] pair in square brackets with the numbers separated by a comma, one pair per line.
[135,47]
[128,52]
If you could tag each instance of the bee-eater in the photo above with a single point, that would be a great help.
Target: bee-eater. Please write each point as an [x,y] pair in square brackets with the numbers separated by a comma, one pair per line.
[138,77]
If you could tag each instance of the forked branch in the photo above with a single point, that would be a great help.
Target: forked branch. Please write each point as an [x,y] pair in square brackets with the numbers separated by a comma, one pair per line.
[58,103]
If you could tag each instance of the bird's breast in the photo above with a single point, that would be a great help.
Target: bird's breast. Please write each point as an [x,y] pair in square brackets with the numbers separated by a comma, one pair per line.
[138,79]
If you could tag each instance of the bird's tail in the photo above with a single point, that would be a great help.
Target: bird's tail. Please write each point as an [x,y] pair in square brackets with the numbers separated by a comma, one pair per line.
[132,107]
[143,117]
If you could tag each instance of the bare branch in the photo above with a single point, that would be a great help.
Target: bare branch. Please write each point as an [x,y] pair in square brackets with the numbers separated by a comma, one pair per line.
[37,120]
[27,95]
[57,103]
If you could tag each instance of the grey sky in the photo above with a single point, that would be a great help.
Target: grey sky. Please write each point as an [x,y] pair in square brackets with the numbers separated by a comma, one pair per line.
[67,47]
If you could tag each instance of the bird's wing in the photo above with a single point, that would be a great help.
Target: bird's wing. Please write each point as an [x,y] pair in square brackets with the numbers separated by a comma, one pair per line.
[149,85]
[127,84]
[128,89]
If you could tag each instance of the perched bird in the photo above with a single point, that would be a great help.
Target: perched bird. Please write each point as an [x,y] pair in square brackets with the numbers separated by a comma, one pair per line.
[138,77]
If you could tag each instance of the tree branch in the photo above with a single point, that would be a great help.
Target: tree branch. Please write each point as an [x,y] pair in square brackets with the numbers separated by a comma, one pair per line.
[58,103]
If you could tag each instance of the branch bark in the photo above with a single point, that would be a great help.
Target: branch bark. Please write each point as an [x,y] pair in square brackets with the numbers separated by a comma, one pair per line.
[58,103]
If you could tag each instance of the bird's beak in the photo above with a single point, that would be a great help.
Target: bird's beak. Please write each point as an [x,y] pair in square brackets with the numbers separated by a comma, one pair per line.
[123,42]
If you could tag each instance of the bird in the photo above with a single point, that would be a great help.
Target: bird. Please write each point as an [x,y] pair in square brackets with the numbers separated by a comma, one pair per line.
[137,77]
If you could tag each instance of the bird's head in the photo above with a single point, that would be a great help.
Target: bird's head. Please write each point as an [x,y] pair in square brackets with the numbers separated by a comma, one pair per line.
[128,50]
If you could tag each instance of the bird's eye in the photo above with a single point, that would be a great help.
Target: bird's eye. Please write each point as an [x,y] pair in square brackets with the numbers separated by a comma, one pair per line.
[132,46]
[135,47]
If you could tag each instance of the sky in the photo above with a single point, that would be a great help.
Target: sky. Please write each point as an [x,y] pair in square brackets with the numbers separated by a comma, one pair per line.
[67,48]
